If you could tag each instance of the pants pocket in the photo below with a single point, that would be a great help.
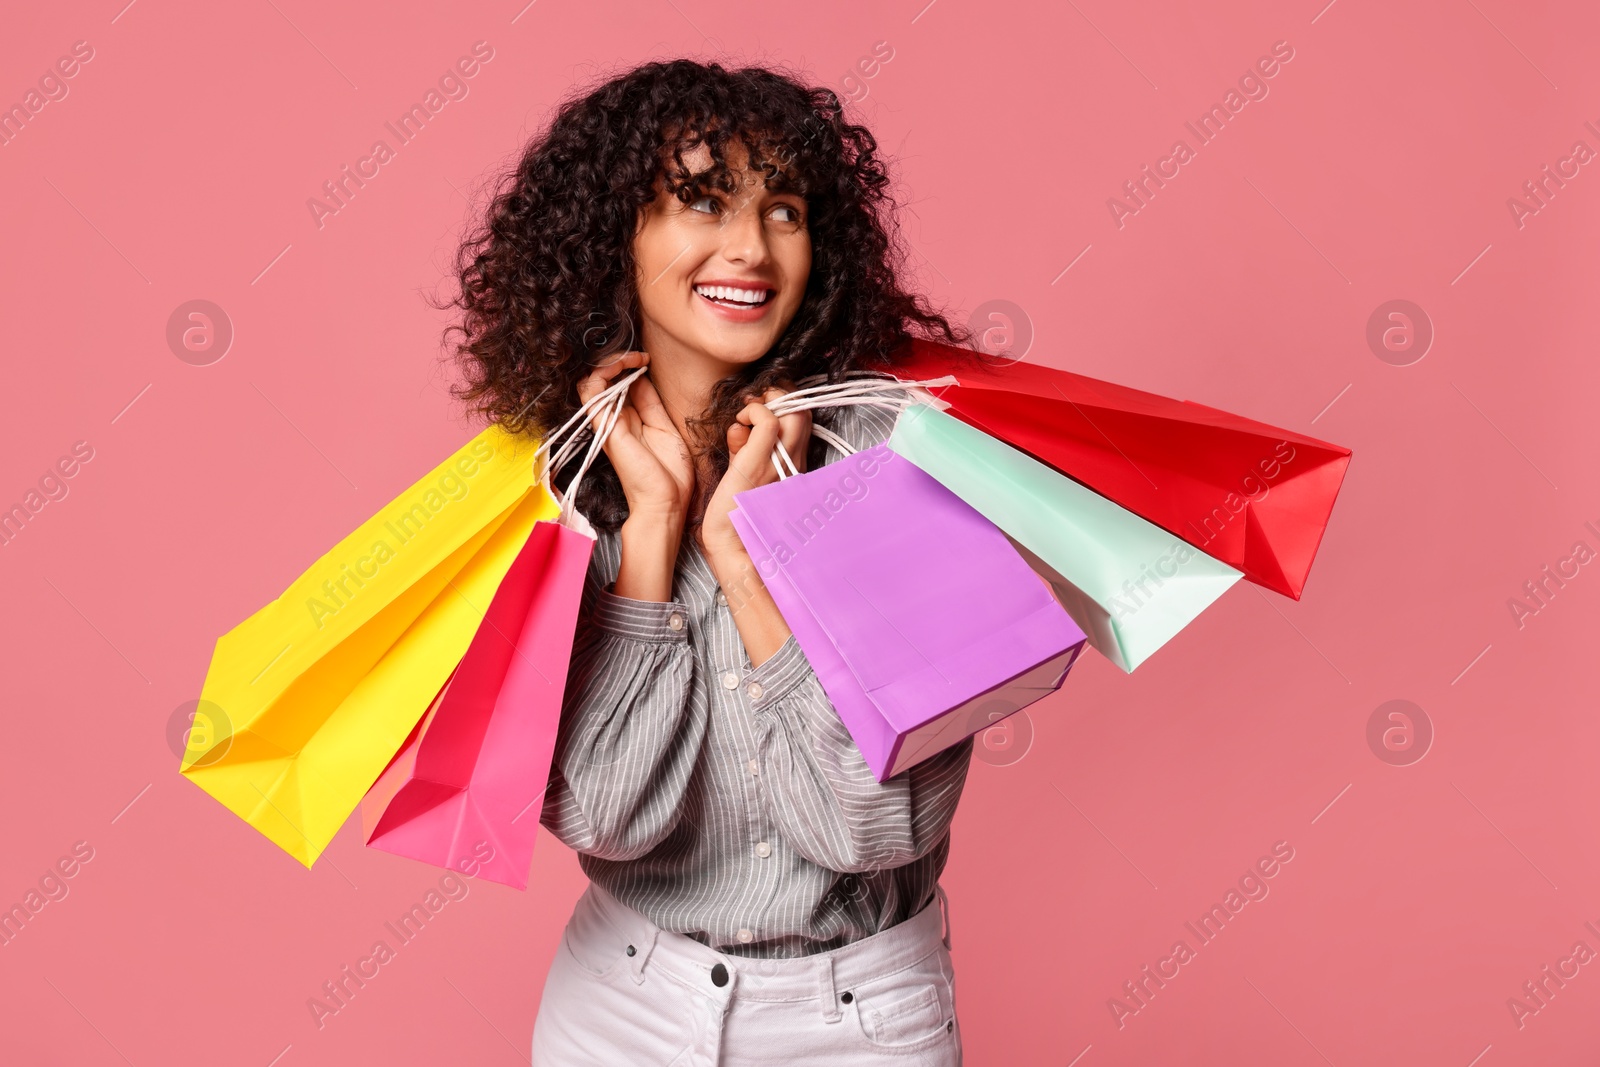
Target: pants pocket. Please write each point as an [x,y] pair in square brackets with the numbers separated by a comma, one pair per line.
[912,1010]
[595,947]
[587,961]
[592,1014]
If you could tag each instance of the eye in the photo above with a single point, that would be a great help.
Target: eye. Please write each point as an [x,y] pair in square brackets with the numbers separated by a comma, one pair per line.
[703,200]
[794,213]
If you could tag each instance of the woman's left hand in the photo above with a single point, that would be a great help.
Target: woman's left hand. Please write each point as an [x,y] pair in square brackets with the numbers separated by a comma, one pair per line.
[752,442]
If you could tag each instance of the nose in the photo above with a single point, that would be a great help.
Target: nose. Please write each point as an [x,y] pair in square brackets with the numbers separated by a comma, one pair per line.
[744,238]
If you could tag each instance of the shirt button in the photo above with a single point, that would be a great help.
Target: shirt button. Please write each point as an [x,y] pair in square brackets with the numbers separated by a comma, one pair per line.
[722,598]
[763,849]
[745,935]
[730,680]
[675,621]
[755,766]
[755,690]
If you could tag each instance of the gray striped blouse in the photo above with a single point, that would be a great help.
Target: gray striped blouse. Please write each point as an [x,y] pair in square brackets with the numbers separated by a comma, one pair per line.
[749,823]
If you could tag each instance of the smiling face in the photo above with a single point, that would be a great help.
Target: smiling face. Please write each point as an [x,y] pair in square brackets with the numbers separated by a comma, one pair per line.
[721,277]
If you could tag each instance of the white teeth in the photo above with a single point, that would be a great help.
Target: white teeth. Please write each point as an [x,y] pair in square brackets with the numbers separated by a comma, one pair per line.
[724,292]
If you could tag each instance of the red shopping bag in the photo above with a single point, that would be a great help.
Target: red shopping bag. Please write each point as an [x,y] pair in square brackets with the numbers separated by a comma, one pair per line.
[1254,496]
[465,789]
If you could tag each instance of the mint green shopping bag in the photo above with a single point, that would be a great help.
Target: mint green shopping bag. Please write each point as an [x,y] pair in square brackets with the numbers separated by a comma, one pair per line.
[1127,583]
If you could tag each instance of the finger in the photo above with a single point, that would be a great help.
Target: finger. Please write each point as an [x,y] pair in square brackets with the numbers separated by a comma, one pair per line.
[647,402]
[603,374]
[625,447]
[755,413]
[738,434]
[795,432]
[617,360]
[794,428]
[752,462]
[602,377]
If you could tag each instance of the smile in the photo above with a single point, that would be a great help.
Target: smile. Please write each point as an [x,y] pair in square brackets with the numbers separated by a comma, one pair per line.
[731,297]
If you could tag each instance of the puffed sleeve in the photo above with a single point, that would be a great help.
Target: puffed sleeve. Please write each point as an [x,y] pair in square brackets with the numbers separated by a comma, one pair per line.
[819,789]
[629,737]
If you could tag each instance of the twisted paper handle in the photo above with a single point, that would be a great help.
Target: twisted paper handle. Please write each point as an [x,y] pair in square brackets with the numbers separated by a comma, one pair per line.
[612,399]
[868,388]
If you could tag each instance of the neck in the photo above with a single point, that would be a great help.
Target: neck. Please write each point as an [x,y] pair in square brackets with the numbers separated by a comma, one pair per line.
[683,377]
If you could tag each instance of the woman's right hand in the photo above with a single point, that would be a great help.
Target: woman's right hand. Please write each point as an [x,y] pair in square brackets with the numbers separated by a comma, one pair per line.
[649,455]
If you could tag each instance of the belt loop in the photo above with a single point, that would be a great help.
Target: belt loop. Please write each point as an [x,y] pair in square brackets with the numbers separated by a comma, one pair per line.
[944,911]
[642,953]
[825,991]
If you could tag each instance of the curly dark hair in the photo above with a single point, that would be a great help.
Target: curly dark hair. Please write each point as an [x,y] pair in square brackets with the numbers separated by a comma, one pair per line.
[547,281]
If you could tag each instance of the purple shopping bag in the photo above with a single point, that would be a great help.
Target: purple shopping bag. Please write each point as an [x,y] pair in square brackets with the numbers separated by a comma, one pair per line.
[923,623]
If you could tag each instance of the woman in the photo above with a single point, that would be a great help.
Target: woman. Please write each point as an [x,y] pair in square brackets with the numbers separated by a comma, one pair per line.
[755,896]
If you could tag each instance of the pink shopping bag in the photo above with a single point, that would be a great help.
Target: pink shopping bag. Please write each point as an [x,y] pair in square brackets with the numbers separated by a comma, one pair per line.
[465,791]
[468,783]
[920,618]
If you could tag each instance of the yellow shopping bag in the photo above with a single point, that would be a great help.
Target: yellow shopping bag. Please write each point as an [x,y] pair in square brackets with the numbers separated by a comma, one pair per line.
[307,700]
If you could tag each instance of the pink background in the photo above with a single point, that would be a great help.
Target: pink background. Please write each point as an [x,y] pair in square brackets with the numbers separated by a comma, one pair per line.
[1420,897]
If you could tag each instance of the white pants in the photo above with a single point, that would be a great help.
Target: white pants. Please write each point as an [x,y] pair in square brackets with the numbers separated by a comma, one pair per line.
[622,992]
